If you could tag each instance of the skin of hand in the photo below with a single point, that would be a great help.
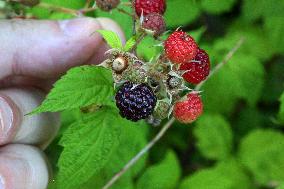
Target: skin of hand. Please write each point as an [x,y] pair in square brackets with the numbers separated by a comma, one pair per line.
[33,55]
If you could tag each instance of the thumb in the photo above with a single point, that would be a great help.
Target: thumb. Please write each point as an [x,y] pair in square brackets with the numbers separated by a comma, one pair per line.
[45,49]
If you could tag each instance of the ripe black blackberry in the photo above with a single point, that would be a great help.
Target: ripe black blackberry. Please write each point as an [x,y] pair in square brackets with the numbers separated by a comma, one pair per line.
[107,5]
[135,102]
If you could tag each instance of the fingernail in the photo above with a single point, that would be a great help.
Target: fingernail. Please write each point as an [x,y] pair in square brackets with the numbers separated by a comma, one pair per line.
[8,116]
[23,167]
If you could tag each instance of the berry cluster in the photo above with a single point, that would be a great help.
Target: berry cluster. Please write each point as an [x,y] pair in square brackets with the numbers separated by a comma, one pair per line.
[152,90]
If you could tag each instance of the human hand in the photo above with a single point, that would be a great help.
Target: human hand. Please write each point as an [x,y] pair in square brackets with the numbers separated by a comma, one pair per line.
[34,54]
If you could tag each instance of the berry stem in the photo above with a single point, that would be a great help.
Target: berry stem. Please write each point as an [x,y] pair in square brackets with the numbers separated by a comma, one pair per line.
[134,26]
[66,10]
[86,10]
[18,1]
[87,4]
[164,129]
[140,38]
[125,12]
[58,8]
[128,4]
[156,64]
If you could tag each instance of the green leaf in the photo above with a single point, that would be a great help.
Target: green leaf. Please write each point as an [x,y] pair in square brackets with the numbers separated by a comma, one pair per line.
[214,137]
[255,9]
[88,145]
[164,175]
[184,16]
[280,187]
[225,175]
[197,34]
[262,152]
[60,16]
[256,41]
[281,111]
[217,6]
[133,138]
[111,38]
[218,86]
[252,9]
[147,48]
[274,81]
[248,119]
[44,13]
[99,180]
[125,21]
[75,4]
[274,27]
[81,86]
[244,79]
[130,43]
[250,73]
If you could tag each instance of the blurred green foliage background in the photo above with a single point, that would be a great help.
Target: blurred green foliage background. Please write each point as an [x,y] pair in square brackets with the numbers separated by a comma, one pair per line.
[238,143]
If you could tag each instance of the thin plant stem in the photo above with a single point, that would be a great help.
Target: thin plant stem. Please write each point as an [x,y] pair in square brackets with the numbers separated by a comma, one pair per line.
[87,4]
[86,10]
[140,38]
[66,10]
[126,4]
[166,127]
[125,12]
[58,8]
[140,154]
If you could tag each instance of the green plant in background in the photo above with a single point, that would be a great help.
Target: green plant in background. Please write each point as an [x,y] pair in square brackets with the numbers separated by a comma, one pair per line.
[237,143]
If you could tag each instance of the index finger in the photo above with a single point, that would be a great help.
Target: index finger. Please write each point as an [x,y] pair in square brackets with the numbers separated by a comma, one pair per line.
[46,49]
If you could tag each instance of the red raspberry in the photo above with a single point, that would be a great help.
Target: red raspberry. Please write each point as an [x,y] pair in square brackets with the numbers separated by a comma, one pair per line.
[188,110]
[149,6]
[154,22]
[197,70]
[180,47]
